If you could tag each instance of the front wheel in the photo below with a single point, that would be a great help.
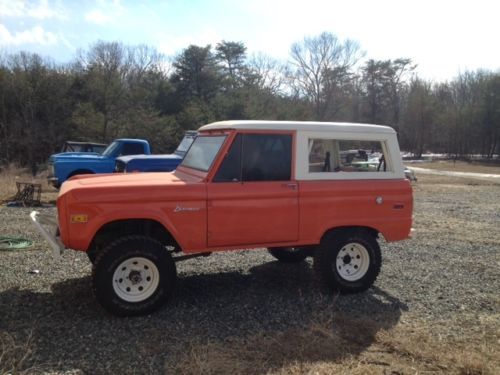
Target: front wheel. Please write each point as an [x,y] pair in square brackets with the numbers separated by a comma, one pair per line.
[134,275]
[348,262]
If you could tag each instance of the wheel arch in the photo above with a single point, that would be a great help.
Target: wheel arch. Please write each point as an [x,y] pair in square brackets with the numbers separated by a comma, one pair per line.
[346,229]
[348,259]
[124,227]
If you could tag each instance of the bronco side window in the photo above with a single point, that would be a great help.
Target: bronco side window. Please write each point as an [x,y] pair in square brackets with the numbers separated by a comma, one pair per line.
[334,155]
[230,169]
[257,157]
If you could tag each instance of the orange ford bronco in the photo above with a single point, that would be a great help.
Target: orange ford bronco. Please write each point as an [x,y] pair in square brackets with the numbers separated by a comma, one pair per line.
[299,189]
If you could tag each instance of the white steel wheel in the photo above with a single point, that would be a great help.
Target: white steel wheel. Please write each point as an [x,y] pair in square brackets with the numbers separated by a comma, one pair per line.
[348,261]
[135,279]
[352,262]
[133,275]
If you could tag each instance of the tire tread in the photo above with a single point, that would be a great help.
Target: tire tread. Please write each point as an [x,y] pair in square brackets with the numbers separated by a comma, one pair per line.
[331,243]
[101,258]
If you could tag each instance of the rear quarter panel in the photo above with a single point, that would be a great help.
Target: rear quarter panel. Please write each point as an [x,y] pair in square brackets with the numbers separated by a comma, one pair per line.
[331,204]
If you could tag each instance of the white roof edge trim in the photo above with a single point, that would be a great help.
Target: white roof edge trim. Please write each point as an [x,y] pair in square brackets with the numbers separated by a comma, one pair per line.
[309,126]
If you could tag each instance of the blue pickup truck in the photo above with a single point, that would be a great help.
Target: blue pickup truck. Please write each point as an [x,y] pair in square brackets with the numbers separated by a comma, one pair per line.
[65,165]
[156,163]
[87,147]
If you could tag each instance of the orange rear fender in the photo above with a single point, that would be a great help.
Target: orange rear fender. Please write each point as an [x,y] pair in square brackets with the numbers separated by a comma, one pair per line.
[383,205]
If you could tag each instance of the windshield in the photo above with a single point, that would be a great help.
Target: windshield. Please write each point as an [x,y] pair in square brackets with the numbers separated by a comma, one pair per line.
[98,149]
[185,143]
[202,153]
[110,150]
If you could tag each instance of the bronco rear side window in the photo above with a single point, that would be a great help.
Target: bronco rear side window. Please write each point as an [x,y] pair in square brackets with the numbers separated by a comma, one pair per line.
[333,155]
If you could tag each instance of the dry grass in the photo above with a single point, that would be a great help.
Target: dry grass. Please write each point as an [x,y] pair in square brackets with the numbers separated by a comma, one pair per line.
[11,174]
[412,347]
[451,221]
[492,167]
[335,343]
[13,355]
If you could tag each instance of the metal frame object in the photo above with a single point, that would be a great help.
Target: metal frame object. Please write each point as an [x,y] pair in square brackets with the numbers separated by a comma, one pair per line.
[55,243]
[28,193]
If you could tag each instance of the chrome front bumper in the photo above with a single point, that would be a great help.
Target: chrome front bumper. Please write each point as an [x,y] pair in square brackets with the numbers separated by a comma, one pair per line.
[47,226]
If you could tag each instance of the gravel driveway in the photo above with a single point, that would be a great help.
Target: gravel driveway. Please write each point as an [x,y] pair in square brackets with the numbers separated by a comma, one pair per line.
[473,175]
[449,271]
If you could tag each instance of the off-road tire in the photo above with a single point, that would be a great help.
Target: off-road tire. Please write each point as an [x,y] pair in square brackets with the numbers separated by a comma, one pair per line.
[290,254]
[348,262]
[155,264]
[91,255]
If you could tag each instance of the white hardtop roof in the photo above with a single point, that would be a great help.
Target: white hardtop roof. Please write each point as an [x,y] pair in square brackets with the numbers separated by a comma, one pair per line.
[299,126]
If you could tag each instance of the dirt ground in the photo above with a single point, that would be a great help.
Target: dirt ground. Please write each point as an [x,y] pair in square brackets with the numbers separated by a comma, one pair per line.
[435,307]
[492,167]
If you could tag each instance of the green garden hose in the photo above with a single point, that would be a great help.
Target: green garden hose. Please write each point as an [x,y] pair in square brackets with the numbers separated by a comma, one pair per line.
[14,243]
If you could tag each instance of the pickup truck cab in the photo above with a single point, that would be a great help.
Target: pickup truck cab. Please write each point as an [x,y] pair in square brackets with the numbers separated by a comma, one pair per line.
[156,163]
[88,147]
[284,186]
[68,164]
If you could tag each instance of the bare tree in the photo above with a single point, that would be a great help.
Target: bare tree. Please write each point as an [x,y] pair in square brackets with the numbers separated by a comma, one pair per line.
[143,59]
[420,116]
[268,74]
[383,83]
[105,68]
[322,65]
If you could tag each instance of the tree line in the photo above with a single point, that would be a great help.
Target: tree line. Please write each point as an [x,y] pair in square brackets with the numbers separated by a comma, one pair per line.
[113,90]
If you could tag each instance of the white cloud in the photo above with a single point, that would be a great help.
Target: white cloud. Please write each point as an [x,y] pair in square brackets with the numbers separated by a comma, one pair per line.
[11,8]
[98,17]
[39,10]
[442,37]
[171,45]
[36,35]
[106,12]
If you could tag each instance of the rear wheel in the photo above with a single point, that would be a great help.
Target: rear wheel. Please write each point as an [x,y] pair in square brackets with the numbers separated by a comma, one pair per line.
[134,275]
[348,262]
[290,254]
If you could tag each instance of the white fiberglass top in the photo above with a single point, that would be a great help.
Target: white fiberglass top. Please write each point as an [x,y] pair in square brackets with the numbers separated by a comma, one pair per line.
[300,126]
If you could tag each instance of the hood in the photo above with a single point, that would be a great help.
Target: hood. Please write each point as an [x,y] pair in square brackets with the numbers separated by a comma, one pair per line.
[127,187]
[127,158]
[118,180]
[125,180]
[76,155]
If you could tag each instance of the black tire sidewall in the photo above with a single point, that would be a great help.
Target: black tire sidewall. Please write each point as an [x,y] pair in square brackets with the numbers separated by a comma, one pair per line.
[325,262]
[115,254]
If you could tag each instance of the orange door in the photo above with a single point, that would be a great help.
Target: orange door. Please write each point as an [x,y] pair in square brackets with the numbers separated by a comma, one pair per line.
[252,212]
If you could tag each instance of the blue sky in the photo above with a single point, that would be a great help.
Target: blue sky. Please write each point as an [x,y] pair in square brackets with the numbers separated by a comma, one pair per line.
[443,37]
